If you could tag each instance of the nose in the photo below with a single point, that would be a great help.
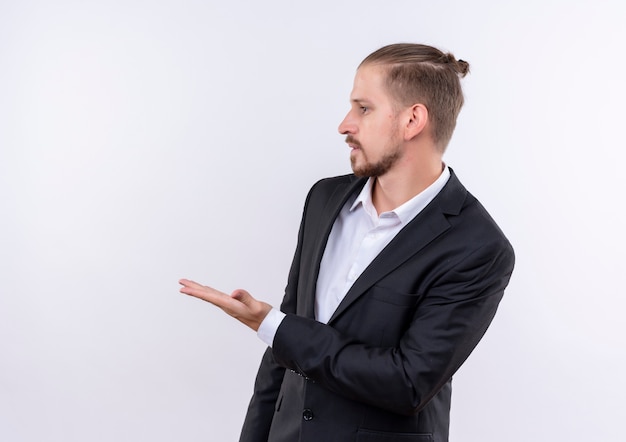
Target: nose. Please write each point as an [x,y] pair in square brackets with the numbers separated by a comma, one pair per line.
[347,126]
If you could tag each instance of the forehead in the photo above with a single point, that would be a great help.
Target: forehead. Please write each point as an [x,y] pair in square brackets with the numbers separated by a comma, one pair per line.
[369,85]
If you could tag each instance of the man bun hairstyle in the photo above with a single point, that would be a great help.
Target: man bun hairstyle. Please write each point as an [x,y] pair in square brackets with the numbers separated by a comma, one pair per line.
[417,73]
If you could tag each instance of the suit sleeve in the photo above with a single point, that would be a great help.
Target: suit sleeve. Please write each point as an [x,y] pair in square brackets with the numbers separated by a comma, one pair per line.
[445,328]
[269,378]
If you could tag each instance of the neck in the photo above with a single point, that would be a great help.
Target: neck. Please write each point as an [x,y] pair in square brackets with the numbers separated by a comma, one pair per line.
[402,183]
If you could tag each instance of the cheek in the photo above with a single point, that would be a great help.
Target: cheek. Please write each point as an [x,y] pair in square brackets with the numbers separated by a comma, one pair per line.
[374,130]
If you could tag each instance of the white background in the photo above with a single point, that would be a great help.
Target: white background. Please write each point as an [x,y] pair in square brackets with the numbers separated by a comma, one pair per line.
[145,141]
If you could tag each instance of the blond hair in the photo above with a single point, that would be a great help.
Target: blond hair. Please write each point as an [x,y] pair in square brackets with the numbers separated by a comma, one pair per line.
[417,73]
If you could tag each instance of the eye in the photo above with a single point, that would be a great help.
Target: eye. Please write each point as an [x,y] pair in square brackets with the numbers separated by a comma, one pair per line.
[364,109]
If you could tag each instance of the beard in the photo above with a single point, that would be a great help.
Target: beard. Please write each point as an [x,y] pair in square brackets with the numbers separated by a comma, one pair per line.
[379,168]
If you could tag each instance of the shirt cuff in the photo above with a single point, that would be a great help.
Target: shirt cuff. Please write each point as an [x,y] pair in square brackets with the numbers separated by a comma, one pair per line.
[268,328]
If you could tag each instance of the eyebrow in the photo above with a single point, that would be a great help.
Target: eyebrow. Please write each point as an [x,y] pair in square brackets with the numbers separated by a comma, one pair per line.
[360,101]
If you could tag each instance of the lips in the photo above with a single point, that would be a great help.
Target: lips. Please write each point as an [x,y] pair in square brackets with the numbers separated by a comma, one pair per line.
[352,143]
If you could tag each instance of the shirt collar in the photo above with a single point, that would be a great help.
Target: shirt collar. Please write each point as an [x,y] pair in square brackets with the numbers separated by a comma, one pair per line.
[407,211]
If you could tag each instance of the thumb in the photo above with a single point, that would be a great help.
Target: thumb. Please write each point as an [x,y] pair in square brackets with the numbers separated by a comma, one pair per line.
[242,296]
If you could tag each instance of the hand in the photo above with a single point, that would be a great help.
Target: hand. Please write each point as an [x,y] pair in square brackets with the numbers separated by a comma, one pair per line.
[240,304]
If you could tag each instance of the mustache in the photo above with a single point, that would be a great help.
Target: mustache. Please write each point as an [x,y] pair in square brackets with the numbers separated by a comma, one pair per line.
[351,140]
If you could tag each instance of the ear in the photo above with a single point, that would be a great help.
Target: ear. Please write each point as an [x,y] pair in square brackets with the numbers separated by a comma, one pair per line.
[417,121]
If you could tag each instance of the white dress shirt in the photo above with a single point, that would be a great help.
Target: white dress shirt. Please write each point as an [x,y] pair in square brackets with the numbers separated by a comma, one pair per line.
[358,235]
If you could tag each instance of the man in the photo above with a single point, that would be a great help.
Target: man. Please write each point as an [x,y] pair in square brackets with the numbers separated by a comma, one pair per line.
[397,273]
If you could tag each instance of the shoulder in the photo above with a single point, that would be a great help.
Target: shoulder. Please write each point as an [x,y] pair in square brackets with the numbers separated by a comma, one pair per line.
[331,183]
[328,194]
[478,228]
[338,186]
[471,224]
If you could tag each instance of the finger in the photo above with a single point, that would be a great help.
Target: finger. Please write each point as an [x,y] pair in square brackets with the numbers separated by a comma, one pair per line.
[230,305]
[189,283]
[203,292]
[195,289]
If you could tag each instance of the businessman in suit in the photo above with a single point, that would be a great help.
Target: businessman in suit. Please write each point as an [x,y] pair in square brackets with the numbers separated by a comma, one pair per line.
[397,273]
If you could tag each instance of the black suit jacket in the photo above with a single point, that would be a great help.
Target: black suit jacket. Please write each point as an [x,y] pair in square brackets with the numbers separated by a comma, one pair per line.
[380,370]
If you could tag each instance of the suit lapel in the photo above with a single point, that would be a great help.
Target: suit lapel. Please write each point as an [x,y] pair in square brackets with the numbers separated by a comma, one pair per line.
[328,214]
[417,234]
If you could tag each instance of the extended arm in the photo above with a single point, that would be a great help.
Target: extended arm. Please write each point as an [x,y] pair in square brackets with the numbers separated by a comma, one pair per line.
[445,328]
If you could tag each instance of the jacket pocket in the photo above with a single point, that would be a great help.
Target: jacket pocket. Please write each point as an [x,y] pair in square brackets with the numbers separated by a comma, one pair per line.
[379,436]
[391,296]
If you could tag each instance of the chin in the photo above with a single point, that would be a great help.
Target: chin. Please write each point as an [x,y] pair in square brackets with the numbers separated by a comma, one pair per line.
[361,173]
[358,171]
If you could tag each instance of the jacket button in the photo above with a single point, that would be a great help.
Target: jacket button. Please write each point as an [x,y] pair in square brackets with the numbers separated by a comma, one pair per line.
[307,414]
